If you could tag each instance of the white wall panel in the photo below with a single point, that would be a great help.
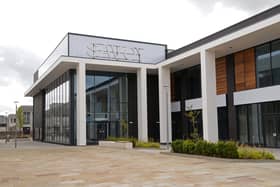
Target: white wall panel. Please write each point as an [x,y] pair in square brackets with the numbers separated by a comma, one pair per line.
[196,104]
[258,95]
[114,49]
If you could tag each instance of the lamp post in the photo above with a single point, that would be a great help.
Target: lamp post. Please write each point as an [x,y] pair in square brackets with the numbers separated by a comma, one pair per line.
[6,126]
[16,102]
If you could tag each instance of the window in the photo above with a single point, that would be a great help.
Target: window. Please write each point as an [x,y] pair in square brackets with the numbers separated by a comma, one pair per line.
[264,77]
[250,124]
[57,114]
[275,60]
[106,104]
[268,64]
[242,124]
[26,116]
[187,83]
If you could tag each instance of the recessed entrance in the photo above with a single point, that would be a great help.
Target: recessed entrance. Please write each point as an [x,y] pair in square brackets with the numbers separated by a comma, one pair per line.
[106,100]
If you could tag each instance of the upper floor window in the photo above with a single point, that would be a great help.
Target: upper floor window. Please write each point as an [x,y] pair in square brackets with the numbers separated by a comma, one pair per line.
[26,116]
[268,64]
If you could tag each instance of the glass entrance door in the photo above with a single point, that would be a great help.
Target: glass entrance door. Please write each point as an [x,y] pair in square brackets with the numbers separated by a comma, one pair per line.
[106,103]
[272,130]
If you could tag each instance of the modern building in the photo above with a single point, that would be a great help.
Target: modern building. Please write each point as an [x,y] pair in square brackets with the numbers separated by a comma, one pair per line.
[27,119]
[11,121]
[93,87]
[3,123]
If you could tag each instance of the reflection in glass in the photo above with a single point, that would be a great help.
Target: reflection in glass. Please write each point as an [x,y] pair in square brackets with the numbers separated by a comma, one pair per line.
[57,119]
[275,60]
[106,98]
[242,123]
[263,66]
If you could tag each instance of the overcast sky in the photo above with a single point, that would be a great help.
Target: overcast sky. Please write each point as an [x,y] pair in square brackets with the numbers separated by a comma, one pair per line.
[30,29]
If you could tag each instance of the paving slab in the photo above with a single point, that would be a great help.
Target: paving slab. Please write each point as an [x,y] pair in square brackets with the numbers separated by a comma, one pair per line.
[39,164]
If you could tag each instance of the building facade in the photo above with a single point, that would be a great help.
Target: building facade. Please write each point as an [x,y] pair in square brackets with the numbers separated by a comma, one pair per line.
[3,123]
[93,87]
[11,121]
[27,119]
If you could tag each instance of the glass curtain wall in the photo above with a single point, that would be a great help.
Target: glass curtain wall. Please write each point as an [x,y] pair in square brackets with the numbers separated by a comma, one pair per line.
[106,104]
[259,124]
[57,111]
[249,124]
[268,64]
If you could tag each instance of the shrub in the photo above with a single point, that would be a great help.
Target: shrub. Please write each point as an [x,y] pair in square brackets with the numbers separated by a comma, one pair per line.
[177,146]
[189,147]
[227,149]
[211,149]
[147,144]
[251,153]
[202,147]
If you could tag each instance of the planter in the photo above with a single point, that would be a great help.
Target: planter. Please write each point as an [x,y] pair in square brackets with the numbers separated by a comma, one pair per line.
[118,145]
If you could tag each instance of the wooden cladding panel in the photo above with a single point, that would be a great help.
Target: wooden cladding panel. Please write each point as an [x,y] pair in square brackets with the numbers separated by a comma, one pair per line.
[250,68]
[245,71]
[239,71]
[221,76]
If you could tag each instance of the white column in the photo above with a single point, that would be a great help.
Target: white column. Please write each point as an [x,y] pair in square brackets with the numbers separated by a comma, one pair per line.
[81,104]
[208,88]
[142,104]
[165,105]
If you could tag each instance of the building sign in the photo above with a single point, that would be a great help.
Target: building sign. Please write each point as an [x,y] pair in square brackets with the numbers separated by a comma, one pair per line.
[114,49]
[114,52]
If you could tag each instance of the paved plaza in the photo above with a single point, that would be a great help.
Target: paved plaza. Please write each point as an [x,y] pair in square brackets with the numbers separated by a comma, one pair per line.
[40,164]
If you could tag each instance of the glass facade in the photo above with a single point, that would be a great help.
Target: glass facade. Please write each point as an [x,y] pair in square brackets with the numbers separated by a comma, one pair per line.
[187,84]
[259,124]
[268,64]
[26,117]
[57,111]
[106,105]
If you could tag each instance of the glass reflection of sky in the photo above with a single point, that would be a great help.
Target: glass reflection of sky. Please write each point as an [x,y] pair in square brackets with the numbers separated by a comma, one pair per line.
[95,80]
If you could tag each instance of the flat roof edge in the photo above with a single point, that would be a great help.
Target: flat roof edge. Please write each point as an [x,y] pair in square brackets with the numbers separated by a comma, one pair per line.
[233,28]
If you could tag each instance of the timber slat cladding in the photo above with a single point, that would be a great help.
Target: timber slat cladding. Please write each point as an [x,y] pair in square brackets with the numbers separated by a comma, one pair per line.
[250,68]
[221,76]
[239,71]
[244,63]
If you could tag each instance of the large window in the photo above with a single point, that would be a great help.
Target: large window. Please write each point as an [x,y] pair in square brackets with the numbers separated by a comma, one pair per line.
[26,116]
[268,64]
[106,104]
[275,60]
[57,111]
[249,123]
[259,124]
[186,84]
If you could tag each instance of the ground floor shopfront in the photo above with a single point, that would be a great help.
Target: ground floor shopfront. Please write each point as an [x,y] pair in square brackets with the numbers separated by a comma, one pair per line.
[111,108]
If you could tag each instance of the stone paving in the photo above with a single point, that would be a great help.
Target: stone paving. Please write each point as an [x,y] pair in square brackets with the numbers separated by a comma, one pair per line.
[39,164]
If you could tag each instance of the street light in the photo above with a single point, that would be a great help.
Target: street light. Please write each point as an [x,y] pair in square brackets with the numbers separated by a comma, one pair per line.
[16,102]
[6,126]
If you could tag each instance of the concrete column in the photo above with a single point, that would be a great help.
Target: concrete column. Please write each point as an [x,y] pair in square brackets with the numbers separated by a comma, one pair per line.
[165,106]
[142,104]
[208,88]
[81,104]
